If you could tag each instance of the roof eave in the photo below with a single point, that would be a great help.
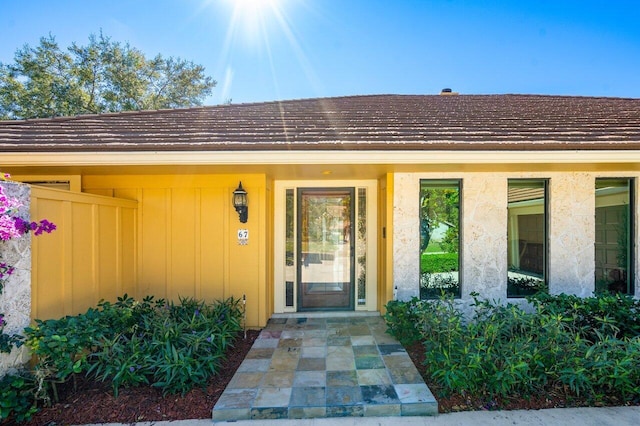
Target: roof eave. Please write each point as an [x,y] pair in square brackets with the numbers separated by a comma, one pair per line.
[127,158]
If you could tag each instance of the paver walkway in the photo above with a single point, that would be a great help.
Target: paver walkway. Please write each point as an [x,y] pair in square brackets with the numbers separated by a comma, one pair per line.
[309,367]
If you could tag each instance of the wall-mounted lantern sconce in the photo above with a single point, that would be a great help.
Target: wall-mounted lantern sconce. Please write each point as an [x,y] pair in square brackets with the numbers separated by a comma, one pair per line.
[240,203]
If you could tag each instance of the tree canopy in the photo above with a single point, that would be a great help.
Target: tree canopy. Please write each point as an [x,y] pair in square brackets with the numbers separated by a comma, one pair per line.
[101,76]
[440,205]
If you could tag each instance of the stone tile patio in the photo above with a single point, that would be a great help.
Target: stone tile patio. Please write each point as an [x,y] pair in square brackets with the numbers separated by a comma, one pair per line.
[325,366]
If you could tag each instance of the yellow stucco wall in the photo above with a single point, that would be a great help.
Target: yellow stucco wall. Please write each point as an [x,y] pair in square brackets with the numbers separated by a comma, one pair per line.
[187,238]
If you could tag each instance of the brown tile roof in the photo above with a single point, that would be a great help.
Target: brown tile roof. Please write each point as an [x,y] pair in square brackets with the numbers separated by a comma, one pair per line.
[378,122]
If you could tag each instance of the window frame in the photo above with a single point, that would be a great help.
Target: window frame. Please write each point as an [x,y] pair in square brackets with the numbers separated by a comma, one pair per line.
[545,237]
[631,237]
[459,183]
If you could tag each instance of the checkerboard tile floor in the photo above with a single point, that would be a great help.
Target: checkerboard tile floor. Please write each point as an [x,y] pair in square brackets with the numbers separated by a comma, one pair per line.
[307,367]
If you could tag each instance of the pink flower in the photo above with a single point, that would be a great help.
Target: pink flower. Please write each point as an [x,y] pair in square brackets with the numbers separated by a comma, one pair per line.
[8,228]
[43,226]
[12,226]
[8,204]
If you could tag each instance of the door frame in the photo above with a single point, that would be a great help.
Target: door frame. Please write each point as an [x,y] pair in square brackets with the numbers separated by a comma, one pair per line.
[279,240]
[352,246]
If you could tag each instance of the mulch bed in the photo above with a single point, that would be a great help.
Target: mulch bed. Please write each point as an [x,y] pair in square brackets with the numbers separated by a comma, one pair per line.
[93,402]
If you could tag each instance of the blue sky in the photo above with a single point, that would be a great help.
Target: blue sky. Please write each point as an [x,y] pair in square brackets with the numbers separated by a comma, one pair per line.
[291,49]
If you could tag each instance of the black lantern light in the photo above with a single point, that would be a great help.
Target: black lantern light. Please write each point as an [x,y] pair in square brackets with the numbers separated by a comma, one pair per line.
[240,203]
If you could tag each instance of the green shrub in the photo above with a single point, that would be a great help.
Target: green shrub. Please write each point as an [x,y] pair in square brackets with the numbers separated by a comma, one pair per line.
[505,351]
[174,347]
[521,286]
[17,396]
[9,341]
[439,262]
[402,319]
[433,286]
[61,346]
[614,315]
[612,366]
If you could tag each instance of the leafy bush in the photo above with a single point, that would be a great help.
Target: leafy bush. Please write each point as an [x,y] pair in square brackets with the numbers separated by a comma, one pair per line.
[433,286]
[505,351]
[402,320]
[18,396]
[173,346]
[614,315]
[8,341]
[61,346]
[439,262]
[437,275]
[521,286]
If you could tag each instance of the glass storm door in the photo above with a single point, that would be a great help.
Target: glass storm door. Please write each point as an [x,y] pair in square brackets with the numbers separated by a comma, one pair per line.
[325,249]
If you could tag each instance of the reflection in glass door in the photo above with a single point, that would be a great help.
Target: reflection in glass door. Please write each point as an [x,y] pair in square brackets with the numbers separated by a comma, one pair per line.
[325,249]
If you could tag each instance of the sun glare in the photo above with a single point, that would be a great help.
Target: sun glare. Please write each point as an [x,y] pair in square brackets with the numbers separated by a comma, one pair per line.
[253,4]
[256,26]
[252,17]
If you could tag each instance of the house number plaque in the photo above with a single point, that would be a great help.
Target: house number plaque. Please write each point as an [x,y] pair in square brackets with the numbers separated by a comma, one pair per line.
[243,237]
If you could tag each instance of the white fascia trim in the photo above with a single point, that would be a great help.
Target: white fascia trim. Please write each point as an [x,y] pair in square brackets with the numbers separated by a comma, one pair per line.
[312,157]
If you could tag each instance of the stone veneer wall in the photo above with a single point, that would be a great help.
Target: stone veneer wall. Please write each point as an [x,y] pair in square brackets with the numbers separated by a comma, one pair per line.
[571,265]
[15,300]
[572,234]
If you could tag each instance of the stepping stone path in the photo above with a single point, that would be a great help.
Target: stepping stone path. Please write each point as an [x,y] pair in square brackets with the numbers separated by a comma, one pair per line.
[319,366]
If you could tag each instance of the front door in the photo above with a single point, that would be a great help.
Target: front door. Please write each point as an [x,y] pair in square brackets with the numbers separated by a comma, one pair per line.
[325,249]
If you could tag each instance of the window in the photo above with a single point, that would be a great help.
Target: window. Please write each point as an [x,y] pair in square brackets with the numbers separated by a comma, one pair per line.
[614,235]
[361,246]
[527,237]
[439,238]
[290,268]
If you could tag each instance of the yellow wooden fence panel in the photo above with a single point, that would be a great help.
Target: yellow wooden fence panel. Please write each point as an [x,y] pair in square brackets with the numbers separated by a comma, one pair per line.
[91,255]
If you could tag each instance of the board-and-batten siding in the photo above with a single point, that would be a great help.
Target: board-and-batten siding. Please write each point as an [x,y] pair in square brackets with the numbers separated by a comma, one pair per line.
[91,255]
[187,239]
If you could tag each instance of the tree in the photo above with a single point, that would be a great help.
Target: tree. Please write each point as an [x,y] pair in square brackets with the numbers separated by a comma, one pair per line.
[440,205]
[102,76]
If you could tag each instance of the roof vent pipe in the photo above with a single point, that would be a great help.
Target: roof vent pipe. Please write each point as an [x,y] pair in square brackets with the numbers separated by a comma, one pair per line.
[448,92]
